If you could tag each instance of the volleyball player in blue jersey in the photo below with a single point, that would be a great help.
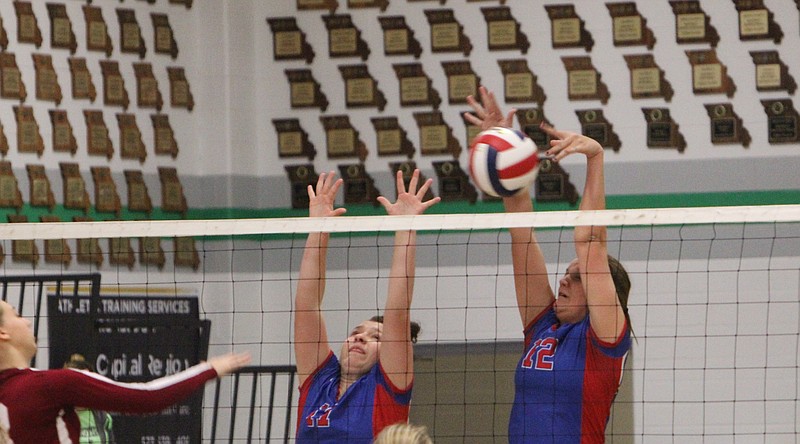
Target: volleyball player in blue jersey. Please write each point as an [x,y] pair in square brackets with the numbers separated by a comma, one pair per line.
[575,344]
[350,399]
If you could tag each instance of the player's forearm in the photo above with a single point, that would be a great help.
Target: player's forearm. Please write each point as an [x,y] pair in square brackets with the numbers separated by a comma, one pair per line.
[403,271]
[311,284]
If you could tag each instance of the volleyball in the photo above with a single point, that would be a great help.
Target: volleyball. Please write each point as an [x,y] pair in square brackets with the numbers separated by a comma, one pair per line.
[502,161]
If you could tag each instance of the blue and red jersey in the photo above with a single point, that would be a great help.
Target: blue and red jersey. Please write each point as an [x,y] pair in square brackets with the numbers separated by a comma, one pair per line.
[565,382]
[358,415]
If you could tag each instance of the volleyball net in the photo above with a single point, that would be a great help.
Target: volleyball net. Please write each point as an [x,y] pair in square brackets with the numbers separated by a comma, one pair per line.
[714,304]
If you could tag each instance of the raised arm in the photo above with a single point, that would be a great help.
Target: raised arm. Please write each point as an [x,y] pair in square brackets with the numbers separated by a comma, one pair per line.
[311,346]
[605,312]
[397,355]
[532,287]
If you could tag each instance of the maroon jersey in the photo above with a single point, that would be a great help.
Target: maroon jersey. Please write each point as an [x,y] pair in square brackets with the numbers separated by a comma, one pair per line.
[36,406]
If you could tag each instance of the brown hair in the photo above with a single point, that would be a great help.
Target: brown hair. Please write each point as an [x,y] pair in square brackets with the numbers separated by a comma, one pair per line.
[622,283]
[415,328]
[404,434]
[77,361]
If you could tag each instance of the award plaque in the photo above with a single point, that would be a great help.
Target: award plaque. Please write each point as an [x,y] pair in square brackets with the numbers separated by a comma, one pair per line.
[27,27]
[453,182]
[647,79]
[130,36]
[163,37]
[392,139]
[23,250]
[435,135]
[329,5]
[138,196]
[552,184]
[709,75]
[106,199]
[447,34]
[408,168]
[530,120]
[629,27]
[75,195]
[97,38]
[288,41]
[520,84]
[360,88]
[120,252]
[300,177]
[150,252]
[180,94]
[185,254]
[88,250]
[28,138]
[10,196]
[726,126]
[344,39]
[114,92]
[63,137]
[46,79]
[594,125]
[3,42]
[472,130]
[567,30]
[172,198]
[293,139]
[461,81]
[163,137]
[342,139]
[398,38]
[771,73]
[56,251]
[416,88]
[97,141]
[692,25]
[130,138]
[662,131]
[61,35]
[359,187]
[186,3]
[82,85]
[503,31]
[441,2]
[3,141]
[305,91]
[781,121]
[147,93]
[358,4]
[756,22]
[11,85]
[583,80]
[41,194]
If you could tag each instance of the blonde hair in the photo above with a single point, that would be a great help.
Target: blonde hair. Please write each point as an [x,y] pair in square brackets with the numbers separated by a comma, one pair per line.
[404,434]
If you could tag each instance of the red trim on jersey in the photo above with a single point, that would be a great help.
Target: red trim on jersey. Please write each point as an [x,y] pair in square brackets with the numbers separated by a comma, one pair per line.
[386,411]
[304,389]
[609,344]
[601,379]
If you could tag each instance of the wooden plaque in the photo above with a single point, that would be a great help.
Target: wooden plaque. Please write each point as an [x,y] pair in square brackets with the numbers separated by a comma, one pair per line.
[692,25]
[151,252]
[29,140]
[472,132]
[771,73]
[416,88]
[185,254]
[300,177]
[503,31]
[461,81]
[447,34]
[662,131]
[782,121]
[23,250]
[120,252]
[629,27]
[553,185]
[130,35]
[56,251]
[398,38]
[82,85]
[583,80]
[41,194]
[329,5]
[435,135]
[147,93]
[75,194]
[114,92]
[408,167]
[361,89]
[172,197]
[3,141]
[359,186]
[163,137]
[46,79]
[454,183]
[63,136]
[185,3]
[391,138]
[304,90]
[342,138]
[647,79]
[138,196]
[520,83]
[709,75]
[567,30]
[88,250]
[61,35]
[756,22]
[530,121]
[361,4]
[130,138]
[106,198]
[288,41]
[726,126]
[180,93]
[98,142]
[10,196]
[293,139]
[344,38]
[11,84]
[97,38]
[163,37]
[3,44]
[27,28]
[595,126]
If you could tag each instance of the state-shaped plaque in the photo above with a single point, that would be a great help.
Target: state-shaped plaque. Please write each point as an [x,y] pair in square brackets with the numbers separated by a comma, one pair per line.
[180,93]
[147,93]
[120,252]
[709,75]
[407,168]
[88,250]
[130,35]
[3,141]
[163,37]
[552,184]
[185,251]
[82,85]
[416,88]
[288,41]
[151,252]
[472,129]
[41,193]
[782,120]
[363,4]
[344,38]
[164,142]
[520,84]
[447,34]
[530,122]
[138,196]
[97,38]
[11,84]
[567,29]
[293,140]
[27,28]
[662,131]
[106,198]
[130,138]
[186,3]
[359,186]
[435,135]
[114,92]
[629,27]
[692,25]
[757,22]
[647,79]
[391,138]
[594,125]
[3,36]
[63,136]
[75,194]
[56,251]
[61,35]
[726,126]
[29,140]
[454,183]
[398,38]
[308,5]
[300,177]
[304,90]
[461,81]
[361,89]
[23,250]
[503,31]
[342,139]
[10,196]
[98,142]
[583,80]
[172,197]
[771,73]
[47,88]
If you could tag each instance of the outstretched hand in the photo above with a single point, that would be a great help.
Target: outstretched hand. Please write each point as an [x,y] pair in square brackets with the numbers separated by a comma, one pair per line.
[409,202]
[321,197]
[564,143]
[227,364]
[488,113]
